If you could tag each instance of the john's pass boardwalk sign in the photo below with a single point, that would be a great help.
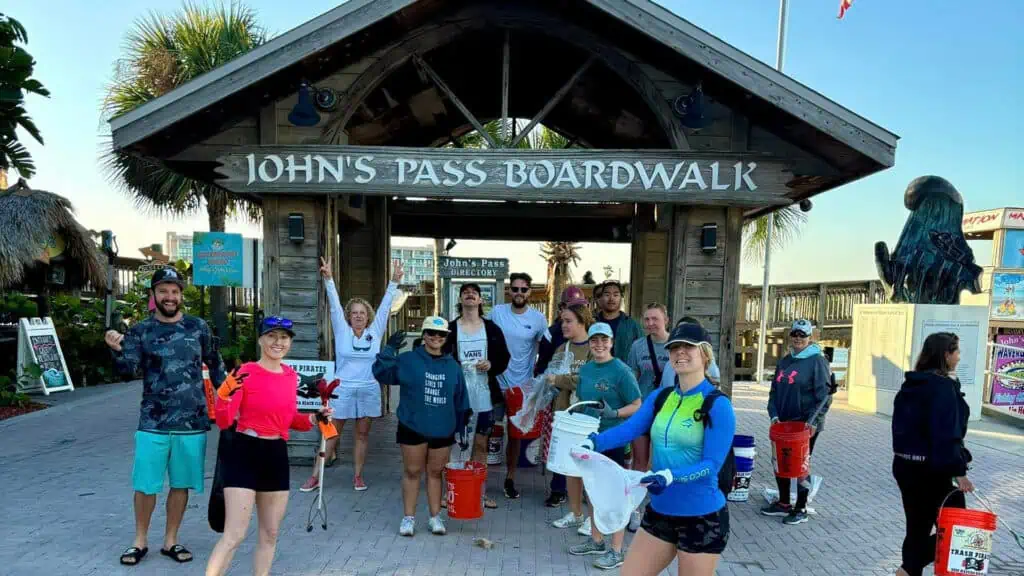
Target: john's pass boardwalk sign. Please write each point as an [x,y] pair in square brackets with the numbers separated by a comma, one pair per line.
[582,175]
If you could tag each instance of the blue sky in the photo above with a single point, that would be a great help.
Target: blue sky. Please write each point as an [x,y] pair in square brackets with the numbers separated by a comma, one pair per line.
[945,75]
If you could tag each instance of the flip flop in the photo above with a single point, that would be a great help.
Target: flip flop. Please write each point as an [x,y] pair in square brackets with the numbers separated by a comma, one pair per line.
[490,504]
[135,554]
[176,552]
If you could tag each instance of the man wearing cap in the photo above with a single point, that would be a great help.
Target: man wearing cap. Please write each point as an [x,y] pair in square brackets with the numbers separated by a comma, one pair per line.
[554,338]
[626,329]
[170,348]
[799,393]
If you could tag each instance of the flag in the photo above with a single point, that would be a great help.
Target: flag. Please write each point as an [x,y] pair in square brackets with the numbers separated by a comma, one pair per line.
[844,5]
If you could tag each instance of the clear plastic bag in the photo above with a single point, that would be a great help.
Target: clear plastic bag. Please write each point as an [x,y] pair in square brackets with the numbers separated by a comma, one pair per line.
[476,387]
[541,393]
[613,491]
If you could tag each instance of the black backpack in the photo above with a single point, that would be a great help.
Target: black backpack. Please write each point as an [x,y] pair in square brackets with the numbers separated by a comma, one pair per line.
[703,415]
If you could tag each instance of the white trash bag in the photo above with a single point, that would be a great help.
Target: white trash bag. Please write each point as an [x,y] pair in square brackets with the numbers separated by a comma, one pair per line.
[771,495]
[613,491]
[539,394]
[477,389]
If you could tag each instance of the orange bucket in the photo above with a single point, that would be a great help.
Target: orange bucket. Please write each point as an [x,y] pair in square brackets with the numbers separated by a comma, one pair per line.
[513,403]
[465,482]
[791,449]
[963,541]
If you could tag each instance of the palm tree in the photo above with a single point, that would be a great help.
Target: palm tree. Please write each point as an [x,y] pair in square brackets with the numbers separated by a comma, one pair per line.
[162,53]
[559,256]
[16,67]
[788,222]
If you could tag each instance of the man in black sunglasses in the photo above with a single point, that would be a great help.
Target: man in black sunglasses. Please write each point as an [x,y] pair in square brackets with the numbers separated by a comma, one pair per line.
[523,327]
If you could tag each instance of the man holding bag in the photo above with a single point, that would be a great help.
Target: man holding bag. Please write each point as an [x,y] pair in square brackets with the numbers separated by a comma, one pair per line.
[478,345]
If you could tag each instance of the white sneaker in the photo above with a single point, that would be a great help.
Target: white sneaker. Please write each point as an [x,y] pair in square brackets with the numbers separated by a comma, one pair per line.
[408,527]
[584,529]
[570,520]
[437,526]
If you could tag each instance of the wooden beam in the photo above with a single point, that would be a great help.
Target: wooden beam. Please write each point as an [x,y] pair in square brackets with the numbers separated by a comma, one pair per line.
[505,85]
[564,212]
[443,87]
[271,256]
[678,269]
[553,101]
[730,296]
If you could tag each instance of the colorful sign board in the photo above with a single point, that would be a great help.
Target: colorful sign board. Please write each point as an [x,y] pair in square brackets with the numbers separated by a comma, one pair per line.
[38,343]
[217,259]
[1007,296]
[1013,249]
[1008,390]
[310,371]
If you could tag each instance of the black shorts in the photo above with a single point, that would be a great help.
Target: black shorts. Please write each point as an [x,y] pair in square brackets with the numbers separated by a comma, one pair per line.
[256,464]
[484,423]
[410,437]
[706,534]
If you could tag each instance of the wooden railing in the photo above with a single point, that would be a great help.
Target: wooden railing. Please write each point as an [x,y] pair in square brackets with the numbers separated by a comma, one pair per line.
[826,305]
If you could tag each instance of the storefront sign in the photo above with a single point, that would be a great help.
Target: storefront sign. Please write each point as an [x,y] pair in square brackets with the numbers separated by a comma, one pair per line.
[310,371]
[38,344]
[217,259]
[1009,363]
[505,174]
[1008,296]
[982,221]
[451,267]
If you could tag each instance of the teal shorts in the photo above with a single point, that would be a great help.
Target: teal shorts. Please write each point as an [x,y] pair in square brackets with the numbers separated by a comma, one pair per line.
[158,455]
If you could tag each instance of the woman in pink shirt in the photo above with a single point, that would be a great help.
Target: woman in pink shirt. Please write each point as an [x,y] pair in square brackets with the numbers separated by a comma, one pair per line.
[259,400]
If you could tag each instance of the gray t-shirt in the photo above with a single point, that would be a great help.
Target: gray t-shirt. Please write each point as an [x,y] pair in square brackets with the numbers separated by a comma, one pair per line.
[640,361]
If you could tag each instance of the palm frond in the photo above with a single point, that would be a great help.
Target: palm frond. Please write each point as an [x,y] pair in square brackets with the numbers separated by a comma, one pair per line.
[787,226]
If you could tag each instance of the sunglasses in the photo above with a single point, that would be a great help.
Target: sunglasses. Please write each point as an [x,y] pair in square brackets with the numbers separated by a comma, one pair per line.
[797,334]
[434,334]
[277,322]
[519,290]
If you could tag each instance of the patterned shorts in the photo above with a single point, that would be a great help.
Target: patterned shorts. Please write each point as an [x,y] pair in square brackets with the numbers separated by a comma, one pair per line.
[706,534]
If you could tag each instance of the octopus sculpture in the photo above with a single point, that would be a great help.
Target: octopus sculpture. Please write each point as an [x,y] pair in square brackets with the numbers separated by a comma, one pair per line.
[932,262]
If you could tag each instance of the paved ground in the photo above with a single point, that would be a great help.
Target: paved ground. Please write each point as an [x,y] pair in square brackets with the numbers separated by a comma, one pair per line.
[67,506]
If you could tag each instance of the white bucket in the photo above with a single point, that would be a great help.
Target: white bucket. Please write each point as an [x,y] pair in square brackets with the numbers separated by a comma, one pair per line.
[745,453]
[568,431]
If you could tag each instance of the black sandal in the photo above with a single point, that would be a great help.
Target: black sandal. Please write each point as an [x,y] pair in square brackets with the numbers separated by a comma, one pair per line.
[133,555]
[176,552]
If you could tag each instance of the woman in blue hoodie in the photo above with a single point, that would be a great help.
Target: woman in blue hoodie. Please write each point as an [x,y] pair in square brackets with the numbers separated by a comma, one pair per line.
[799,393]
[433,408]
[687,518]
[929,423]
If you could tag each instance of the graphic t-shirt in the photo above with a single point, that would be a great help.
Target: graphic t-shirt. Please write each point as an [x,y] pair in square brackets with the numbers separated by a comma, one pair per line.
[612,382]
[522,334]
[640,361]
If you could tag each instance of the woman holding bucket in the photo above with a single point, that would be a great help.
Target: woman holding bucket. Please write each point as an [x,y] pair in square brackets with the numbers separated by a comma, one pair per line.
[478,345]
[609,381]
[432,410]
[929,423]
[688,518]
[799,393]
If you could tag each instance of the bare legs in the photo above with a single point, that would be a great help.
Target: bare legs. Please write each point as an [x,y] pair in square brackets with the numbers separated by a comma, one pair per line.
[480,455]
[574,486]
[512,458]
[362,443]
[144,504]
[414,461]
[436,461]
[270,507]
[648,556]
[641,453]
[617,538]
[238,505]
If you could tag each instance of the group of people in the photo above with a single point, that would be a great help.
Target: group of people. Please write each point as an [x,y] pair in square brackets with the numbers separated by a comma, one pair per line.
[654,389]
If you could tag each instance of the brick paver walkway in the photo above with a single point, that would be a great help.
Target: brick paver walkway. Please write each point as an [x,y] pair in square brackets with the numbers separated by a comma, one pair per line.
[66,508]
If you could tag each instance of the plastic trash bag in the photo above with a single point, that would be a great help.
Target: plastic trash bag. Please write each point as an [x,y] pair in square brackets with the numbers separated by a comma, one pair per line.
[476,388]
[613,491]
[540,393]
[771,495]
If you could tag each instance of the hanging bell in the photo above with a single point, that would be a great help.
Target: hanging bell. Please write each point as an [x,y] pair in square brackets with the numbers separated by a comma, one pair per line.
[303,113]
[690,109]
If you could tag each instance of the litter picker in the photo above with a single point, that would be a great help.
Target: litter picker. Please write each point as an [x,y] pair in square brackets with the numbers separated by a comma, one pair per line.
[318,508]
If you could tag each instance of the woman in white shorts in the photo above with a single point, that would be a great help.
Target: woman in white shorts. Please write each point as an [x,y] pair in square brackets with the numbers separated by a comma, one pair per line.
[357,339]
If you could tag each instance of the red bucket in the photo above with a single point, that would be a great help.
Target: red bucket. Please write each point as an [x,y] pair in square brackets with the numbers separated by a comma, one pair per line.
[513,403]
[963,541]
[791,449]
[465,482]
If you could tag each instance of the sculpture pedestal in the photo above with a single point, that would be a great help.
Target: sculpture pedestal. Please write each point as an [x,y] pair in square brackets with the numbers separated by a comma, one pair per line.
[887,338]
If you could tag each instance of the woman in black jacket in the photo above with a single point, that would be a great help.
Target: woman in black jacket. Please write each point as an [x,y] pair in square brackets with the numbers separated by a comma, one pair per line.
[479,346]
[929,423]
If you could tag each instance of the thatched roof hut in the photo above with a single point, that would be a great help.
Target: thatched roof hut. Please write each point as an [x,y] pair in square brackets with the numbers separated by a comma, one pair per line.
[41,243]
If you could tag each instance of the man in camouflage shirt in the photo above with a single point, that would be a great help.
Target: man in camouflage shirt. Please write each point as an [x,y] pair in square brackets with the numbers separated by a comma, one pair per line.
[169,348]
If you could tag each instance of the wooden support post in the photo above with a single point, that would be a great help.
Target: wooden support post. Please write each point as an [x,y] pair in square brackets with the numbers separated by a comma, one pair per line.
[271,256]
[553,101]
[677,269]
[438,246]
[730,296]
[443,87]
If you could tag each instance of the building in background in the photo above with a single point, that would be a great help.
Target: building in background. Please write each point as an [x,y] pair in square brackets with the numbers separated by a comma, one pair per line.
[179,247]
[418,262]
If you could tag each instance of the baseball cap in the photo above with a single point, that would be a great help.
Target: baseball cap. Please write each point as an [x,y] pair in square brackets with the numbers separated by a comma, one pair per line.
[572,295]
[802,326]
[435,323]
[166,275]
[687,333]
[600,328]
[271,323]
[470,286]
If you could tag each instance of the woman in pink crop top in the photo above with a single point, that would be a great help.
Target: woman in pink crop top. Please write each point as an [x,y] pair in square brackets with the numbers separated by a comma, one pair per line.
[259,400]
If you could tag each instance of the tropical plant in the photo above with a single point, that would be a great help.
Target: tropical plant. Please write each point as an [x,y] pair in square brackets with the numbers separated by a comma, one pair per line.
[540,138]
[16,68]
[788,222]
[560,257]
[162,53]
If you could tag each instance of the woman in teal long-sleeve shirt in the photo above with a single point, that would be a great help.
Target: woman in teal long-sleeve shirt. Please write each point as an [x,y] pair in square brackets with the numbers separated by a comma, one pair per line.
[687,517]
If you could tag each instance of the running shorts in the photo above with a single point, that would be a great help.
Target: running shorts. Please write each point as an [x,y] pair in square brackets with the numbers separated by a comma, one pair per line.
[181,457]
[706,534]
[256,464]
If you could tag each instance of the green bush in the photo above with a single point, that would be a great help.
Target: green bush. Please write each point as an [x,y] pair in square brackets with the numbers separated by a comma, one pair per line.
[80,327]
[18,306]
[9,395]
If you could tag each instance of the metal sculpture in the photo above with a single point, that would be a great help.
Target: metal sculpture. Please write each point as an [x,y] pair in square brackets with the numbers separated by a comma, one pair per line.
[932,262]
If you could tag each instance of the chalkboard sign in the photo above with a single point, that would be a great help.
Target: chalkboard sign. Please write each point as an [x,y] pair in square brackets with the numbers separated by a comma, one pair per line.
[38,344]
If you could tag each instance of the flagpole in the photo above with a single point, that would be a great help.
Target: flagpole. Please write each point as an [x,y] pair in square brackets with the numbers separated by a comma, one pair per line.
[780,53]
